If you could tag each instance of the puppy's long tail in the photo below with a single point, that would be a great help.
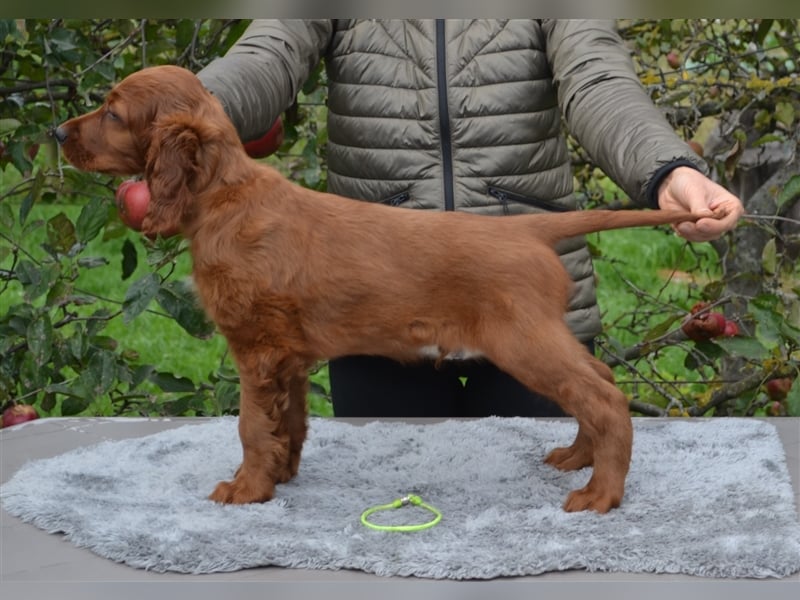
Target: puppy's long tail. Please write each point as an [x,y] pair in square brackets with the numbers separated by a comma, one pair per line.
[554,227]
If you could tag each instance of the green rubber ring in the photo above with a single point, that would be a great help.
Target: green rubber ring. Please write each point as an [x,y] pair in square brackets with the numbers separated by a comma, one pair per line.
[399,503]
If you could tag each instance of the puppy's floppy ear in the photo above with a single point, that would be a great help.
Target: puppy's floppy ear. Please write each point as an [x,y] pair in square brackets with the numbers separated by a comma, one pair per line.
[173,169]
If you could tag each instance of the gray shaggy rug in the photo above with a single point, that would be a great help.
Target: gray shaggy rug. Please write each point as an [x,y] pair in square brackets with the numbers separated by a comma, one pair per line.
[705,497]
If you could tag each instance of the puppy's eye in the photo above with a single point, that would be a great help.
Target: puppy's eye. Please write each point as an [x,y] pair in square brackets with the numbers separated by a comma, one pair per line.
[112,115]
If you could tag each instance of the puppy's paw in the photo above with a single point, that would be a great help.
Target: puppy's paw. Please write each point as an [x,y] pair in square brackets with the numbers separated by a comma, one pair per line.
[590,499]
[571,458]
[242,491]
[285,474]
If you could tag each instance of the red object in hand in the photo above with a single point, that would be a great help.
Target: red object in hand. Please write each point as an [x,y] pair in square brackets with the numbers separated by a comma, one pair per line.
[19,413]
[267,143]
[133,198]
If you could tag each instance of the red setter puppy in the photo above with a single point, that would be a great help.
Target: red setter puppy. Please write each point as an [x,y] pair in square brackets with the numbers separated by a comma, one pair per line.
[290,275]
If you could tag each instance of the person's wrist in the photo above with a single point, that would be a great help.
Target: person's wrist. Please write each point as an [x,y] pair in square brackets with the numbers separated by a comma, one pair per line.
[661,177]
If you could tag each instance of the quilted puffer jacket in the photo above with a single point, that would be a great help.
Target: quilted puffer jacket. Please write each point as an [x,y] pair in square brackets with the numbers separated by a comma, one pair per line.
[461,115]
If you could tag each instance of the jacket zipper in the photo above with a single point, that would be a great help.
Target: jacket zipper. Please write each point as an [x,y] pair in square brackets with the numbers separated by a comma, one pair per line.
[505,196]
[397,199]
[444,116]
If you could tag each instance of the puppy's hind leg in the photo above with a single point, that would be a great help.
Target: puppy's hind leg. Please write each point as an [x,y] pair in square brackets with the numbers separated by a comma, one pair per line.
[581,453]
[556,365]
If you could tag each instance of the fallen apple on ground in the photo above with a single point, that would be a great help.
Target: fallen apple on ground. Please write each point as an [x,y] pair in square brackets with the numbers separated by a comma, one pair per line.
[19,413]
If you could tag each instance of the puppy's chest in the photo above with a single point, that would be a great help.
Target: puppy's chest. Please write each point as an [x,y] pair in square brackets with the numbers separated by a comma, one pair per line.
[239,301]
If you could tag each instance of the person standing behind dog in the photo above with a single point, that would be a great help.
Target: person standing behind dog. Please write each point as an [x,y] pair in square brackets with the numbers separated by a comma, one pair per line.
[466,115]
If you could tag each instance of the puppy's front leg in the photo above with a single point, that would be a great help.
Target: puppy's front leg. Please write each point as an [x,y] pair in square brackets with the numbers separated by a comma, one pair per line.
[271,431]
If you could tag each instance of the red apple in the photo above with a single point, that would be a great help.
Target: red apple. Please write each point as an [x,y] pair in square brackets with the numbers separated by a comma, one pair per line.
[775,409]
[19,413]
[673,59]
[731,329]
[267,143]
[704,326]
[778,389]
[133,198]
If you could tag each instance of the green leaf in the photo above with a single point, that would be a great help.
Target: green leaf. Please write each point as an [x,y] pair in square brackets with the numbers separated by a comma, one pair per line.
[790,191]
[37,280]
[97,322]
[139,296]
[226,394]
[769,260]
[743,346]
[91,220]
[793,399]
[141,374]
[6,215]
[40,339]
[61,233]
[172,383]
[784,113]
[704,351]
[105,342]
[31,376]
[662,328]
[60,293]
[32,196]
[102,370]
[768,320]
[67,389]
[17,150]
[74,404]
[763,29]
[78,344]
[184,33]
[179,300]
[130,259]
[8,126]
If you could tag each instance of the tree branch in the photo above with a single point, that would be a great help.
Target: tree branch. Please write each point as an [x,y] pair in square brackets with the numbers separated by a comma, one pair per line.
[28,86]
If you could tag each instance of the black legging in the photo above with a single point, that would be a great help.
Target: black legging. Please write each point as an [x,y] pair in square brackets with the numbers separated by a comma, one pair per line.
[373,386]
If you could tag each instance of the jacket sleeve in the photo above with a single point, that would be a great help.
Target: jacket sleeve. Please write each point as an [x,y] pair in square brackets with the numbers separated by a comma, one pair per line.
[259,77]
[608,111]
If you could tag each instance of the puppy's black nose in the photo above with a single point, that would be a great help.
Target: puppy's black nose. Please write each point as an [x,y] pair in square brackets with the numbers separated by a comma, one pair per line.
[60,134]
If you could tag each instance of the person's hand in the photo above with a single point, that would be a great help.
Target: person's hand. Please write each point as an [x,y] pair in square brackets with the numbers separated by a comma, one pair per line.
[685,188]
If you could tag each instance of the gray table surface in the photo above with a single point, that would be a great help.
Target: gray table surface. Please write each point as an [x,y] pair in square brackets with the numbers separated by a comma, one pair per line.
[28,554]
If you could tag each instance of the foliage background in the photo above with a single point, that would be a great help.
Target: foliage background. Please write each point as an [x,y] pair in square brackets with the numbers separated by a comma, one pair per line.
[76,286]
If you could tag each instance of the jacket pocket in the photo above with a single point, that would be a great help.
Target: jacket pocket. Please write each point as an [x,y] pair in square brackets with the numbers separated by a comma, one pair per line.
[505,196]
[397,199]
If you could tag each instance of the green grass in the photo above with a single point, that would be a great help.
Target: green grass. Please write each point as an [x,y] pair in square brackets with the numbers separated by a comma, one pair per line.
[646,276]
[652,262]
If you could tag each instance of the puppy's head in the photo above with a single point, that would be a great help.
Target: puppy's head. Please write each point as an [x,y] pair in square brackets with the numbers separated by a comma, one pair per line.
[160,122]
